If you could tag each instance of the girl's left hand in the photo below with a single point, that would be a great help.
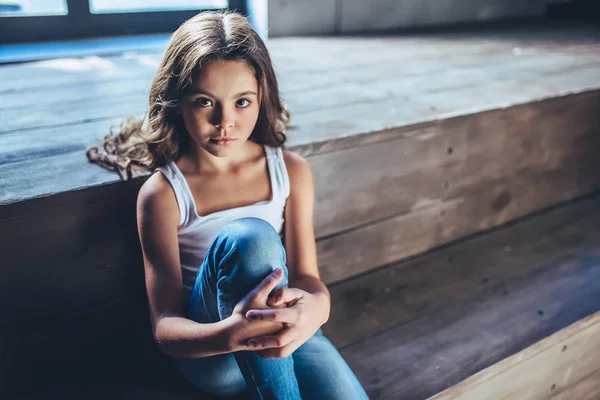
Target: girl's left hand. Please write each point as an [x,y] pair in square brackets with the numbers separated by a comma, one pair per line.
[302,315]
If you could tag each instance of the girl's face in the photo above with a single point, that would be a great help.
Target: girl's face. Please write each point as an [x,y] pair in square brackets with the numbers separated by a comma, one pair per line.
[222,108]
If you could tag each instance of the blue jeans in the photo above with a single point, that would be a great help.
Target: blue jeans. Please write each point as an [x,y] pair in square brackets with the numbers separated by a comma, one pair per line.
[240,257]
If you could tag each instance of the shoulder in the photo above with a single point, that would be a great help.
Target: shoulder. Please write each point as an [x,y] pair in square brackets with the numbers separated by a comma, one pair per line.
[156,187]
[295,163]
[157,197]
[298,170]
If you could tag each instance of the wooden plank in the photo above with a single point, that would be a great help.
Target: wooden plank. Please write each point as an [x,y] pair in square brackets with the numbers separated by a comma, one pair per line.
[57,174]
[374,181]
[12,182]
[311,130]
[132,100]
[464,67]
[82,70]
[76,72]
[505,199]
[318,55]
[70,95]
[438,349]
[421,110]
[9,143]
[541,370]
[83,255]
[469,63]
[75,270]
[584,389]
[70,113]
[405,217]
[416,56]
[394,295]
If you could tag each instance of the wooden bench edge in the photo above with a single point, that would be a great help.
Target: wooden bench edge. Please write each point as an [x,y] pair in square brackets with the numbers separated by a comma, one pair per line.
[541,371]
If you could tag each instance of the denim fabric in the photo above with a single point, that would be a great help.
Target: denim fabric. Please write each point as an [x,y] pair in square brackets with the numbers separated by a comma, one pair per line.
[244,252]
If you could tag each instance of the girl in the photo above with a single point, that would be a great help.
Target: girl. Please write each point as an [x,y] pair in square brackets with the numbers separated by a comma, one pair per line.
[226,227]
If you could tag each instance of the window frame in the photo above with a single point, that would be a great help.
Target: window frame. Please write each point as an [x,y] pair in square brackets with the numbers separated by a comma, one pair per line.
[80,22]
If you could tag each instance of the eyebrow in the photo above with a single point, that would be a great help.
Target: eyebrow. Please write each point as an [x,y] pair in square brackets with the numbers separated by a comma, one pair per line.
[200,91]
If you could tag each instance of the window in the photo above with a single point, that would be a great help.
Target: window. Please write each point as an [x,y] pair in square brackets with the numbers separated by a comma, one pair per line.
[45,20]
[114,6]
[31,8]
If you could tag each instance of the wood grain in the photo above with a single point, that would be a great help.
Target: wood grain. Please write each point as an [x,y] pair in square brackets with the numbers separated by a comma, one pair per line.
[323,55]
[503,200]
[323,92]
[306,91]
[437,349]
[555,364]
[488,80]
[449,158]
[388,297]
[384,201]
[584,389]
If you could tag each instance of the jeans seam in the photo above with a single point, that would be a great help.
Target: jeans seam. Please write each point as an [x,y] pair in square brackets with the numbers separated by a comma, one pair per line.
[256,386]
[242,356]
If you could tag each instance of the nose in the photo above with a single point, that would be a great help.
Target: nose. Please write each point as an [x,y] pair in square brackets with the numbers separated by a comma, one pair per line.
[225,119]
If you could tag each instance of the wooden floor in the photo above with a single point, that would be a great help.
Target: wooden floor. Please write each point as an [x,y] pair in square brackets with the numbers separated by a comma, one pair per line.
[418,327]
[563,366]
[52,110]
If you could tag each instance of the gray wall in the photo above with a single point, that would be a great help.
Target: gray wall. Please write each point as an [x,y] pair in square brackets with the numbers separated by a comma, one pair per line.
[310,17]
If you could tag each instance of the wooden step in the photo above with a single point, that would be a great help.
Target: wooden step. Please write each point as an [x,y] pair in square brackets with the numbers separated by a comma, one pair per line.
[416,328]
[458,133]
[563,366]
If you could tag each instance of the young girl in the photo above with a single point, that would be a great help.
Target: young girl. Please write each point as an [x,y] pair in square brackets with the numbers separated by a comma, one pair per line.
[226,227]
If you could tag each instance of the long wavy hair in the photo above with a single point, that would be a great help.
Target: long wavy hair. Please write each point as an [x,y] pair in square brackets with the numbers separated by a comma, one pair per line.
[143,145]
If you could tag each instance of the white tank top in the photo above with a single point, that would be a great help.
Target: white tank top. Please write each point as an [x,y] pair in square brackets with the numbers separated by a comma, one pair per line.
[196,233]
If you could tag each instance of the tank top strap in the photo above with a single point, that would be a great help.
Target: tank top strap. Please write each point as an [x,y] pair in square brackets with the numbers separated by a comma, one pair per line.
[178,184]
[279,175]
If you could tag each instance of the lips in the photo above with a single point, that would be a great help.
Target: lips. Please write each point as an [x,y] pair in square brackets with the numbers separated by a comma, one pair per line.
[222,141]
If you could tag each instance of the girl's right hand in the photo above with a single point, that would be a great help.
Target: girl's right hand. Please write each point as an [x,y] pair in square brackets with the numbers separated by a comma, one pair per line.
[241,329]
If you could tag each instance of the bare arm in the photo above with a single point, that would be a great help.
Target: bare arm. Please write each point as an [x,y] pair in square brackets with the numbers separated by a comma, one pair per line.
[299,234]
[177,336]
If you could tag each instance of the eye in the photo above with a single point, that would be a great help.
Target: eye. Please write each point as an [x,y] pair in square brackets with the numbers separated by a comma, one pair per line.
[203,102]
[243,103]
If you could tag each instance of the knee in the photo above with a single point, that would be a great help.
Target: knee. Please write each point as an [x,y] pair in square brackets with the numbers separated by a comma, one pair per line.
[253,237]
[253,243]
[249,227]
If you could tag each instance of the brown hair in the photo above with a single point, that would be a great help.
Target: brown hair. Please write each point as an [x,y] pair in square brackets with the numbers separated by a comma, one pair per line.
[208,36]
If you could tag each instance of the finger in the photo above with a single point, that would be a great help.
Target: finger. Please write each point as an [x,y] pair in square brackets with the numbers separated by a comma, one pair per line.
[286,295]
[267,284]
[287,315]
[275,298]
[273,341]
[281,352]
